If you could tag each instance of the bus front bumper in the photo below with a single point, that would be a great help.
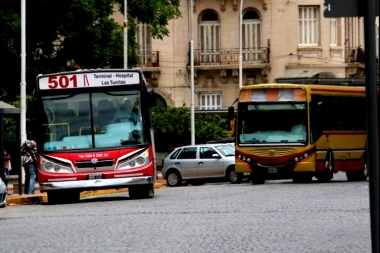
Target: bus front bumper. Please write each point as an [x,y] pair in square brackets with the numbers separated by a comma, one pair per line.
[96,184]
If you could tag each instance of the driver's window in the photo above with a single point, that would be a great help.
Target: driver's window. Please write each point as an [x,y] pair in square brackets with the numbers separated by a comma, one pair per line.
[206,152]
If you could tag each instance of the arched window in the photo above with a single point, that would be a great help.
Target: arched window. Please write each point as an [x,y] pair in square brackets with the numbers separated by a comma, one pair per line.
[209,38]
[160,101]
[251,36]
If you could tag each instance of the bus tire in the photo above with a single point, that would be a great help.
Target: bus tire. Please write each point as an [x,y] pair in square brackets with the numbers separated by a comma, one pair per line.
[63,196]
[302,178]
[233,176]
[357,175]
[141,191]
[173,178]
[257,178]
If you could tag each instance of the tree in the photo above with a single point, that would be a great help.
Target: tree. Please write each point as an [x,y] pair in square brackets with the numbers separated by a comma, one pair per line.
[72,34]
[173,125]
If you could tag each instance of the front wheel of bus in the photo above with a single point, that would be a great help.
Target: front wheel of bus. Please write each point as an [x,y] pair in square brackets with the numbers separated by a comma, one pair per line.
[141,191]
[257,178]
[63,197]
[302,178]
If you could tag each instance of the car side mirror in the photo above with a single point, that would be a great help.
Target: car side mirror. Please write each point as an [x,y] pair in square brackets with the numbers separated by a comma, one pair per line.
[216,156]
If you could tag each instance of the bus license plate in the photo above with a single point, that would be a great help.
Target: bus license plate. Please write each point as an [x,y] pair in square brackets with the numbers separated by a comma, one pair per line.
[272,170]
[94,176]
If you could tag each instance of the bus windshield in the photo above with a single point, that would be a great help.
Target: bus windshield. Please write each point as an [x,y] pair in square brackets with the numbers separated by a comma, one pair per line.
[272,123]
[92,120]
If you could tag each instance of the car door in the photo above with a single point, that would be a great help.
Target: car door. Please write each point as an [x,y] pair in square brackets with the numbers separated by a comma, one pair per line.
[210,163]
[187,163]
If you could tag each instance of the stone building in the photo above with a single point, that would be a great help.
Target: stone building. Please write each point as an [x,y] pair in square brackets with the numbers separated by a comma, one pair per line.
[279,38]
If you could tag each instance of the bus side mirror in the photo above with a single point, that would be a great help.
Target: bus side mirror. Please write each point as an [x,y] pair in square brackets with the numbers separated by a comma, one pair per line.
[231,113]
[151,98]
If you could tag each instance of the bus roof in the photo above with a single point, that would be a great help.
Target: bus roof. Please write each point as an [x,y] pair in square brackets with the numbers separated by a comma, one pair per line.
[324,81]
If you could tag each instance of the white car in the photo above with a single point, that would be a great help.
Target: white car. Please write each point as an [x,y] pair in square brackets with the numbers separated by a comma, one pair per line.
[196,163]
[3,194]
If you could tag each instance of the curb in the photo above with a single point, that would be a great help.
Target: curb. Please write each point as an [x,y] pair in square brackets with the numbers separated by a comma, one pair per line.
[42,197]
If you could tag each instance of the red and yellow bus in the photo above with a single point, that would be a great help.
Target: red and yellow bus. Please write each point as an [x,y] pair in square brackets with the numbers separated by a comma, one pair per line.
[93,131]
[300,128]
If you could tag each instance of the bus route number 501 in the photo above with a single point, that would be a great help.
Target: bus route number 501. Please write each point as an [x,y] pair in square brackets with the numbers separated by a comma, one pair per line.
[62,82]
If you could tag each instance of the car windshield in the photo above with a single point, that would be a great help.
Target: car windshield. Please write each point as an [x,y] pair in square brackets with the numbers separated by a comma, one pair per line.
[226,150]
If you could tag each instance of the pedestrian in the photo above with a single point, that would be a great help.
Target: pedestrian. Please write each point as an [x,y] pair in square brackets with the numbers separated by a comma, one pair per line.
[7,167]
[29,162]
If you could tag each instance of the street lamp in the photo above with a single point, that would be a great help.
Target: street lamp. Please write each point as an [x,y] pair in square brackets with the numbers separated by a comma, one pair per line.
[125,35]
[240,44]
[192,75]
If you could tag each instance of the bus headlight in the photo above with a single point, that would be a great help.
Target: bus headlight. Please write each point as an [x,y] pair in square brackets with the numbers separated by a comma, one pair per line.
[135,162]
[48,166]
[140,160]
[248,160]
[55,167]
[296,159]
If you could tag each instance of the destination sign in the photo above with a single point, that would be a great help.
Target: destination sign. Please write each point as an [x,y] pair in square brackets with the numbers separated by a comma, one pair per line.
[87,80]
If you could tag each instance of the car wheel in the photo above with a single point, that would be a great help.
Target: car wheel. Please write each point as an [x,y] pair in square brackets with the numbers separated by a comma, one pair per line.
[234,177]
[173,178]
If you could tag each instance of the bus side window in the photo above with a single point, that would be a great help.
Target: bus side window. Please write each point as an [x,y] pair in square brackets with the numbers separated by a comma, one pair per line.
[316,120]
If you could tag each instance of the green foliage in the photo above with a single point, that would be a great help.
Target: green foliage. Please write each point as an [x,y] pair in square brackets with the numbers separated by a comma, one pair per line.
[209,127]
[73,34]
[174,124]
[157,13]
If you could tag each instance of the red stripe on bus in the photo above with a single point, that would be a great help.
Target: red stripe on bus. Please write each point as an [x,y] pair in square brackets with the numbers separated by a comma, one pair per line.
[340,91]
[345,132]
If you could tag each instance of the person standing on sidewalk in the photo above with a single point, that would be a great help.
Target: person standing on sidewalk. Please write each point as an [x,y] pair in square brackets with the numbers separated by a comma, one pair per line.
[7,167]
[28,152]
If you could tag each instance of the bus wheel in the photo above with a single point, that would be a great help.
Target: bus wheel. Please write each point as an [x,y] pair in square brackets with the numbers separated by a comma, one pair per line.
[357,175]
[173,178]
[141,191]
[257,178]
[233,176]
[301,178]
[325,177]
[63,196]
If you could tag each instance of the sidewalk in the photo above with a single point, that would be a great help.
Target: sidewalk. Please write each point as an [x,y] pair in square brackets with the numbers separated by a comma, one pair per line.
[38,197]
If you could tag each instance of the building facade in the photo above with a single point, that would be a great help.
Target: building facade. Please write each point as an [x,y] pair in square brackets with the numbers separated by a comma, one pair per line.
[278,39]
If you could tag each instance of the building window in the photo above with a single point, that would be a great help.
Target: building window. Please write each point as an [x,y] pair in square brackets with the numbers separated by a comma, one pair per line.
[209,38]
[333,32]
[144,39]
[210,101]
[251,29]
[308,26]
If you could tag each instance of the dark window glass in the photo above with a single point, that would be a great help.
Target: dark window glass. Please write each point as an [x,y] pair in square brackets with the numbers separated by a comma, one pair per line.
[188,153]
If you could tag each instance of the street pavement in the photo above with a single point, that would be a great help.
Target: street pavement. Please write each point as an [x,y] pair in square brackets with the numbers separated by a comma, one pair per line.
[17,199]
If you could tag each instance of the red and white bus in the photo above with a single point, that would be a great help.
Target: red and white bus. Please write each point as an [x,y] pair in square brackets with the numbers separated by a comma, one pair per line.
[87,136]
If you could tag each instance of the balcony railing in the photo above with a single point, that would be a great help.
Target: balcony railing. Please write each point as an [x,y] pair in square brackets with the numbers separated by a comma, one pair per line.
[231,56]
[149,59]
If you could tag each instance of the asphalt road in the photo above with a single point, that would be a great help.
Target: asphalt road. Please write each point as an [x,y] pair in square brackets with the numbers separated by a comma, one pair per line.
[278,216]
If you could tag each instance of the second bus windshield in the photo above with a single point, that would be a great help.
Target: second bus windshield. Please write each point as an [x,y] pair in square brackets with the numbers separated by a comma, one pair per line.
[269,123]
[114,118]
